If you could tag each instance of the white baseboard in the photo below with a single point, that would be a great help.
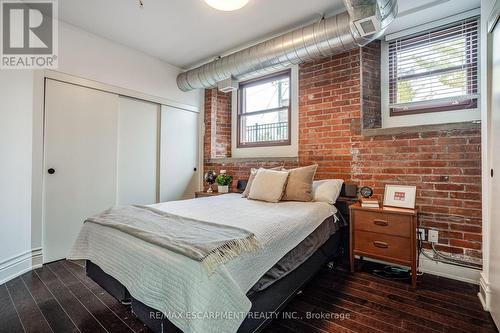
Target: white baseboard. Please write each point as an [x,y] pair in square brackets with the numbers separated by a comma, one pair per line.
[449,271]
[20,264]
[484,293]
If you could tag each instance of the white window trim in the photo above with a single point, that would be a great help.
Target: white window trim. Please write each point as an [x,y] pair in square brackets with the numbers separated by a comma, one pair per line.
[291,150]
[430,118]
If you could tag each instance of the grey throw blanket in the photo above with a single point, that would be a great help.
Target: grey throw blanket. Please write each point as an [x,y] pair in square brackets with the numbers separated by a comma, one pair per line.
[209,243]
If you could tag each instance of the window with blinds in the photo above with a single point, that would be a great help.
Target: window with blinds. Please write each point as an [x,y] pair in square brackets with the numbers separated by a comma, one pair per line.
[435,71]
[264,111]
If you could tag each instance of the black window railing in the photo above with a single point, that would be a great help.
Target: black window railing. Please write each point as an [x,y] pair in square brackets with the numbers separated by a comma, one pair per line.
[266,132]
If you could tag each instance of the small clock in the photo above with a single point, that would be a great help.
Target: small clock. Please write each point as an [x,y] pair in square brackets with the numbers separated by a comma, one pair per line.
[366,191]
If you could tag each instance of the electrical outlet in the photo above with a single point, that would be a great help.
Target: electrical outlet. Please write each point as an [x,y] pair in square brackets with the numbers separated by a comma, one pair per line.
[421,234]
[433,236]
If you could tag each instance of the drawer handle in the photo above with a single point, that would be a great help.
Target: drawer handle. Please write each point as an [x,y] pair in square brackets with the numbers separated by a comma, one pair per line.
[381,223]
[382,245]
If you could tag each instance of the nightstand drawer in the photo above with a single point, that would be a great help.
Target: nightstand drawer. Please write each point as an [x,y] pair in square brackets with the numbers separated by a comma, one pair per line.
[390,224]
[385,233]
[383,245]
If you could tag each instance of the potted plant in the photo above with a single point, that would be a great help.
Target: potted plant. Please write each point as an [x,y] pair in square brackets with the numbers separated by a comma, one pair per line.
[223,181]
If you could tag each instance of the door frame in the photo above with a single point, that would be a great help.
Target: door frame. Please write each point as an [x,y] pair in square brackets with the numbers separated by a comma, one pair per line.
[492,13]
[38,143]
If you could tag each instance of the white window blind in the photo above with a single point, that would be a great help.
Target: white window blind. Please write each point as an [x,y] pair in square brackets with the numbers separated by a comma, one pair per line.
[435,71]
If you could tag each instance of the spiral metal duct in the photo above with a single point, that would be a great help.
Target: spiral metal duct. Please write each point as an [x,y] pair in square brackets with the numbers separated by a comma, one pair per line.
[363,22]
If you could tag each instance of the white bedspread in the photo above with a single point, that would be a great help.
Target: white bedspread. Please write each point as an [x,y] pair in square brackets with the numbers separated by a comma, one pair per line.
[179,286]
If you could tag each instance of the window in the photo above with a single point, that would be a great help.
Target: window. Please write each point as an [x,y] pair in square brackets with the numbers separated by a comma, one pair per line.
[435,71]
[264,111]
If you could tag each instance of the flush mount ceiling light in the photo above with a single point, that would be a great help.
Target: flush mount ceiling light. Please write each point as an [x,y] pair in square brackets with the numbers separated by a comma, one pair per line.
[227,5]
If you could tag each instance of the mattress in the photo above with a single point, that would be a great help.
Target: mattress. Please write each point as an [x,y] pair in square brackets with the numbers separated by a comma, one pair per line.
[179,286]
[299,254]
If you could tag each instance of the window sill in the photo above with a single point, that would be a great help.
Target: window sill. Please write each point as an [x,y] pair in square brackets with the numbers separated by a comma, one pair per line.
[420,128]
[252,159]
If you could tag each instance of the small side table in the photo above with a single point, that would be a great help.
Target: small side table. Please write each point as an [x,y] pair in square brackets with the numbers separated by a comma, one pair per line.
[385,233]
[204,194]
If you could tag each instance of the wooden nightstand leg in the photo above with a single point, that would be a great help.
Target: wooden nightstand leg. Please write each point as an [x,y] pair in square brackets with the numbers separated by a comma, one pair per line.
[352,263]
[414,276]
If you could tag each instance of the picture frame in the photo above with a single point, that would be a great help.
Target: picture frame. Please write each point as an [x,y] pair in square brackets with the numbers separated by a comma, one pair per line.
[401,196]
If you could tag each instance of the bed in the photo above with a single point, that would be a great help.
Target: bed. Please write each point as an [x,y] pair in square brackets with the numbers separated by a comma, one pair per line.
[172,293]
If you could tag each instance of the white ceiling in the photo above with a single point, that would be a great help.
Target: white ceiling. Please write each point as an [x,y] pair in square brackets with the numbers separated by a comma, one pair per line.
[186,32]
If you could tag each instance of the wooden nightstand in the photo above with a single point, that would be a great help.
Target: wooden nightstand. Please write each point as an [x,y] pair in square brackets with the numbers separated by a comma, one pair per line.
[387,234]
[203,194]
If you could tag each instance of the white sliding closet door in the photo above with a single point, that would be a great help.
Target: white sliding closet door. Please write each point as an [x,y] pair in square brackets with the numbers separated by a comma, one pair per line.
[179,154]
[137,152]
[80,161]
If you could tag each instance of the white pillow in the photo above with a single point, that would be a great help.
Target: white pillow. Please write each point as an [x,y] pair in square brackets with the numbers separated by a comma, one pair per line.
[268,185]
[327,190]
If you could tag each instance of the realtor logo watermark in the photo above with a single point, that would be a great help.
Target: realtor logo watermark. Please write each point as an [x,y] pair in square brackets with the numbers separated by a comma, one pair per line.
[29,38]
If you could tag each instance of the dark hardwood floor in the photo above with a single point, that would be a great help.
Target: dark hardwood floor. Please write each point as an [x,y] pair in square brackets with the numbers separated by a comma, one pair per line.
[59,297]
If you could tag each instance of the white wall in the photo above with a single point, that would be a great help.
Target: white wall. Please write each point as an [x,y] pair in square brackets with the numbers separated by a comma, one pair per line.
[89,56]
[80,54]
[16,90]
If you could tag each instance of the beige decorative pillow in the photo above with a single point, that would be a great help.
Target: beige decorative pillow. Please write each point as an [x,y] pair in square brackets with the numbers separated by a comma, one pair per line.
[299,184]
[268,185]
[253,172]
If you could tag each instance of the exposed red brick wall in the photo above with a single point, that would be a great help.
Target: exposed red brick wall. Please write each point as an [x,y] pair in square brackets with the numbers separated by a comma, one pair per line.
[241,170]
[446,167]
[444,164]
[370,85]
[217,142]
[329,113]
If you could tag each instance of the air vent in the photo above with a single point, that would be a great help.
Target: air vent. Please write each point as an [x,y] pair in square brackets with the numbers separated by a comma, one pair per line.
[367,26]
[228,85]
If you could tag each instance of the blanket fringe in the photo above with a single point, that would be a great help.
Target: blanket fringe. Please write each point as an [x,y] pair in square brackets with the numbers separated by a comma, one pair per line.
[228,251]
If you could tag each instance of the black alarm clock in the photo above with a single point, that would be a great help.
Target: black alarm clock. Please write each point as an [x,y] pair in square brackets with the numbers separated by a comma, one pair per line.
[366,191]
